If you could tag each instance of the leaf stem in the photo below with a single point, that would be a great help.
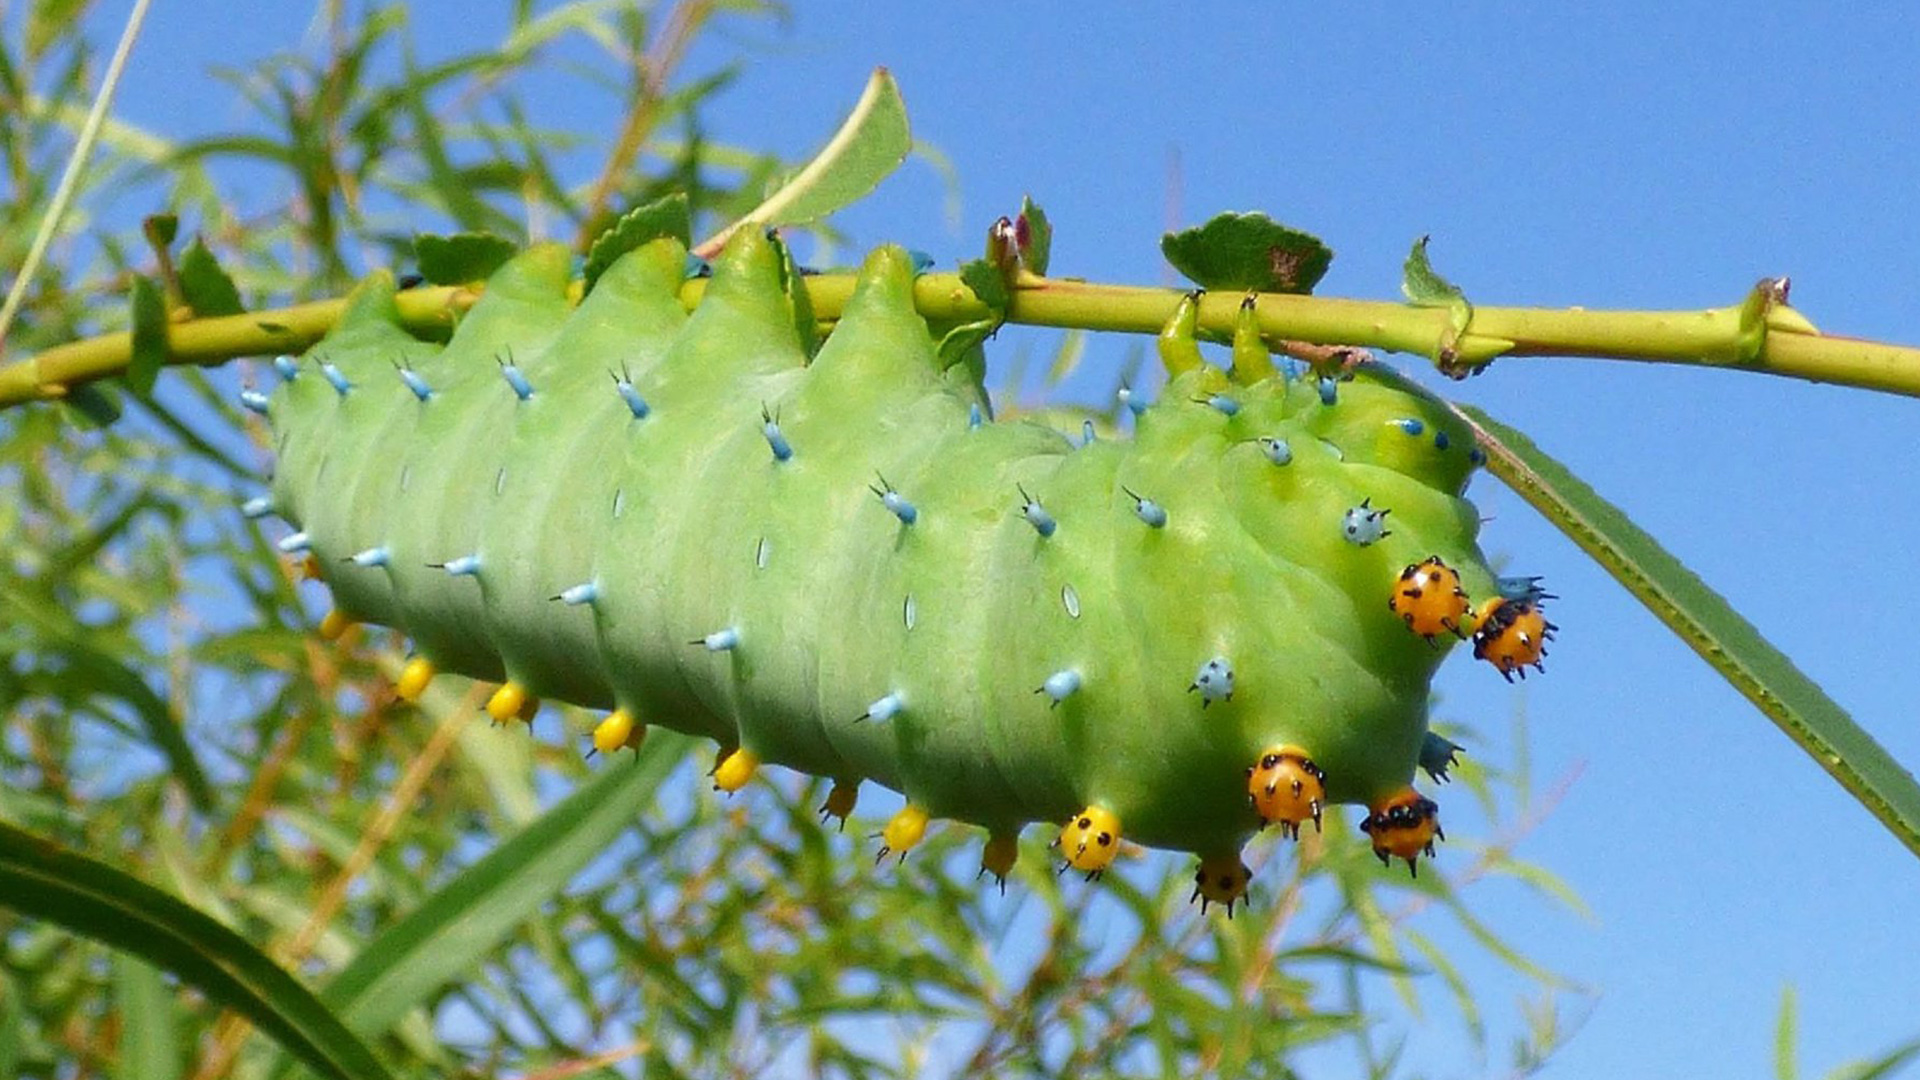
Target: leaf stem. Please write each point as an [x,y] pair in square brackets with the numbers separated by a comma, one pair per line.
[1713,337]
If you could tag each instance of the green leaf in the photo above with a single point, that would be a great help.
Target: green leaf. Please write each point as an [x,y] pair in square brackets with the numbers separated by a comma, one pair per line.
[871,143]
[1708,625]
[1424,287]
[95,404]
[1785,1037]
[149,1028]
[461,258]
[13,1036]
[637,227]
[206,288]
[149,321]
[41,880]
[988,283]
[1036,247]
[1248,253]
[465,920]
[161,230]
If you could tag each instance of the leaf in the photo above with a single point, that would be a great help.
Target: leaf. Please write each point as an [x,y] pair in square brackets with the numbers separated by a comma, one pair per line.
[149,1026]
[94,403]
[1424,287]
[41,880]
[204,285]
[871,143]
[1035,236]
[161,230]
[466,919]
[1708,625]
[461,258]
[989,283]
[1248,253]
[149,319]
[1786,1037]
[636,228]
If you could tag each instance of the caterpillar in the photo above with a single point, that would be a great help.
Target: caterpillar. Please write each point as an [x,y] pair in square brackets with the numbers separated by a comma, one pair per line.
[835,558]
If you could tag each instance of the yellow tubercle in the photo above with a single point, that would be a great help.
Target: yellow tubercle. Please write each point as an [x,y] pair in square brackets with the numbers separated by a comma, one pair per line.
[1091,840]
[618,731]
[307,568]
[512,702]
[1002,851]
[734,771]
[333,625]
[414,679]
[1221,879]
[904,830]
[840,801]
[1287,789]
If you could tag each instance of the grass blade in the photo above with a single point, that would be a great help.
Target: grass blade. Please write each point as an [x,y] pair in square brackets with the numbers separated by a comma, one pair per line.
[41,880]
[1709,625]
[149,1028]
[469,917]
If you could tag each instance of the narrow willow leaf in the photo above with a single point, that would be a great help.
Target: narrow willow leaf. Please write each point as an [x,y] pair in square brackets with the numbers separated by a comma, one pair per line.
[94,403]
[1036,236]
[1248,252]
[1786,1036]
[149,320]
[41,880]
[871,143]
[1708,625]
[13,1035]
[462,923]
[149,1026]
[1424,287]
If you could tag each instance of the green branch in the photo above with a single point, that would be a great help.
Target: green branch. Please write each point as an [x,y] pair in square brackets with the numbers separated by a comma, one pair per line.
[1759,334]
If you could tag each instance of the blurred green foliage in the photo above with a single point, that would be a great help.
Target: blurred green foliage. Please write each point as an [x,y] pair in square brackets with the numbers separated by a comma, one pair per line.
[169,712]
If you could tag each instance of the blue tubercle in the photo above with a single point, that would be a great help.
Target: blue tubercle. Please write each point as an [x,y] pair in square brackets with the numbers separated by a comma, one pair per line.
[1277,451]
[334,376]
[1225,404]
[886,708]
[1060,685]
[1131,401]
[254,400]
[1476,457]
[974,417]
[257,507]
[770,427]
[516,379]
[1411,425]
[287,366]
[1087,436]
[1036,514]
[720,640]
[1214,681]
[895,502]
[1329,391]
[1147,510]
[295,544]
[373,556]
[464,566]
[1440,440]
[584,593]
[1363,525]
[637,405]
[414,382]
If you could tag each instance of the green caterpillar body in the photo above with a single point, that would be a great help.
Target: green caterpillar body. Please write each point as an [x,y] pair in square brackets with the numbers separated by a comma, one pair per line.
[827,560]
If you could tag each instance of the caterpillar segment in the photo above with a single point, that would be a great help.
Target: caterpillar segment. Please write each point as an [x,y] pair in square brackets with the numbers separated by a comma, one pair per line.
[880,580]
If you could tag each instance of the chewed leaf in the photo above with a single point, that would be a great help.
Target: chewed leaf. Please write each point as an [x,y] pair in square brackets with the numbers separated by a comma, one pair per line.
[1035,236]
[871,143]
[204,285]
[463,257]
[1248,252]
[988,283]
[669,216]
[1709,625]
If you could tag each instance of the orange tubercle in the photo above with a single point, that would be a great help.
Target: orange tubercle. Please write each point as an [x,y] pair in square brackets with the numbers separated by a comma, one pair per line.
[1221,879]
[1287,789]
[1512,635]
[1404,825]
[1428,598]
[840,801]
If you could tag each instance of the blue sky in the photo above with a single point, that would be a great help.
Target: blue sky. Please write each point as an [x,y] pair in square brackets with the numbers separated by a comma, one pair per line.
[1619,155]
